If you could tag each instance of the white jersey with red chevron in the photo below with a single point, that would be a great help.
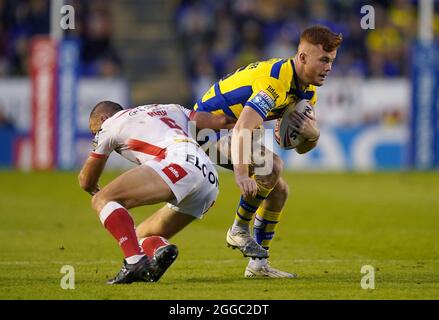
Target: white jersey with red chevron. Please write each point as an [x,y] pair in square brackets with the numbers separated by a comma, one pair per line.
[143,133]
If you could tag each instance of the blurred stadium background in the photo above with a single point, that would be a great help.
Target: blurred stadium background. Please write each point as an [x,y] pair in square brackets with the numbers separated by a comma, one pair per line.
[372,112]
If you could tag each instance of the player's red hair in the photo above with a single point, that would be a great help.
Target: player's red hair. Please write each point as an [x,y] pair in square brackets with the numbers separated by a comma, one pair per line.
[316,35]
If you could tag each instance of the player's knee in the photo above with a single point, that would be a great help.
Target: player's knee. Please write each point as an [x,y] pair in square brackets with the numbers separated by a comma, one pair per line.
[94,202]
[280,193]
[276,172]
[98,201]
[278,166]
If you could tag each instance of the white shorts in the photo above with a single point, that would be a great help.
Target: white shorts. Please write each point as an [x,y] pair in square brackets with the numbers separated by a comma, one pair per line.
[192,177]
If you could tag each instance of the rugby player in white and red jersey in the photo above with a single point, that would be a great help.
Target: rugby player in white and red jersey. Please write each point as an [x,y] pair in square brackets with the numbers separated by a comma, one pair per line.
[171,168]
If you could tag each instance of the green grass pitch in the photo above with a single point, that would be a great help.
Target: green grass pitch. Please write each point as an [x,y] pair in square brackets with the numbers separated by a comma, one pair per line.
[333,224]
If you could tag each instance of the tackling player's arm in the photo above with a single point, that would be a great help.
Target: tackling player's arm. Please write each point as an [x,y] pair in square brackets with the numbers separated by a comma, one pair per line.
[95,163]
[91,172]
[248,120]
[204,120]
[216,122]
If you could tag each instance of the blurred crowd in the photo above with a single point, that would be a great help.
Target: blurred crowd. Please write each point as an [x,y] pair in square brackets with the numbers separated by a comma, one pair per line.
[219,36]
[20,20]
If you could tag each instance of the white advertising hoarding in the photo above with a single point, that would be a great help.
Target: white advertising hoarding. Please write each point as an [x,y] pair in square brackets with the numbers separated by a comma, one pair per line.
[363,122]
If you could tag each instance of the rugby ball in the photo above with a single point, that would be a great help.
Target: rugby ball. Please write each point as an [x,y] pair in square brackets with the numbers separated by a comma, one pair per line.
[285,132]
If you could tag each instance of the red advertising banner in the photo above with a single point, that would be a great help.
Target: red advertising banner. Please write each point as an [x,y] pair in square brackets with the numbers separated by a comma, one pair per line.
[43,69]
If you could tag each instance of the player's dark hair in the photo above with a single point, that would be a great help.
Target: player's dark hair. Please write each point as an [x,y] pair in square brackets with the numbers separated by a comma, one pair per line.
[317,34]
[107,107]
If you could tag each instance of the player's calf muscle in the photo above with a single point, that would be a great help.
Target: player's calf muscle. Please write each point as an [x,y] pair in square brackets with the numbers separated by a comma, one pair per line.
[100,199]
[277,198]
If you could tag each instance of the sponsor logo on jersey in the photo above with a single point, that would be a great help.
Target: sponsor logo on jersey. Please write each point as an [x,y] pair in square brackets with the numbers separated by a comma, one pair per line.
[194,160]
[263,101]
[158,113]
[174,172]
[147,108]
[273,92]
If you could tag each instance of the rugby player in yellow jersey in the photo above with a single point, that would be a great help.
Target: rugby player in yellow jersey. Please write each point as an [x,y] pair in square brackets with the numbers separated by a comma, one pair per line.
[252,95]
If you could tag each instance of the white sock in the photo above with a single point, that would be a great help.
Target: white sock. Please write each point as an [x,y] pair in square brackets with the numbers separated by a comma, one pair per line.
[134,259]
[239,226]
[257,263]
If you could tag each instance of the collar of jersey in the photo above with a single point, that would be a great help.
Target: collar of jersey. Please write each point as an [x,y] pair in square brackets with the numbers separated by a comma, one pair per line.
[296,90]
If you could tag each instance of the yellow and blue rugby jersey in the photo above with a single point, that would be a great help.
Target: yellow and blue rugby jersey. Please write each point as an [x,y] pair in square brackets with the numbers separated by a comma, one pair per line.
[266,86]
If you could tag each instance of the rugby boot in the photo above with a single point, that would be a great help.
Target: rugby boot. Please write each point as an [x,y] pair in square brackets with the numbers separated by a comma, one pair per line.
[137,272]
[265,270]
[243,241]
[162,260]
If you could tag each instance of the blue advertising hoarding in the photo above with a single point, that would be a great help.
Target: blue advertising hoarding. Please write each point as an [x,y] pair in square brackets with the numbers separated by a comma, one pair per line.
[68,65]
[357,148]
[423,142]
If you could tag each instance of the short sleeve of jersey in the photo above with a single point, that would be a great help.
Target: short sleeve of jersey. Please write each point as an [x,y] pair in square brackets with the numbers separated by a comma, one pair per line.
[268,93]
[189,113]
[102,144]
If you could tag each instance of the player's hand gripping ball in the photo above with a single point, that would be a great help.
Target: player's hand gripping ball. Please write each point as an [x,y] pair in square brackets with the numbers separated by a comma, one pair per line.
[285,132]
